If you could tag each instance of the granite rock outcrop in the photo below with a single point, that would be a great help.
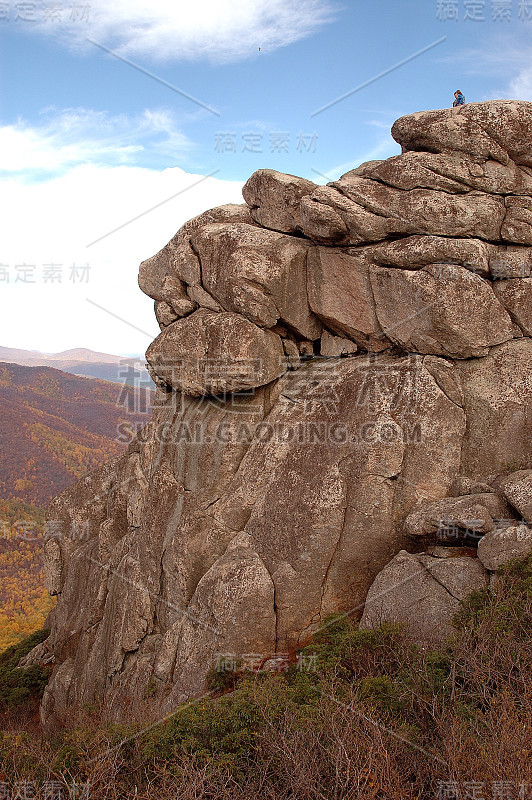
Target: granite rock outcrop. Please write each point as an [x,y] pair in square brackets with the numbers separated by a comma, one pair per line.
[344,379]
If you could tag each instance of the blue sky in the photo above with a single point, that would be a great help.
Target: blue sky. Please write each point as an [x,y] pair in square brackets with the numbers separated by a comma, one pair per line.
[88,141]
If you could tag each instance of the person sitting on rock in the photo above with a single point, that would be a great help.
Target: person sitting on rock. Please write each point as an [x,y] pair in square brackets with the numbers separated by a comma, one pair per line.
[459,99]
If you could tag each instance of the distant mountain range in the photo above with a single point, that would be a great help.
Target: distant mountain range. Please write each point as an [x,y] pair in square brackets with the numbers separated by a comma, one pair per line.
[81,361]
[55,427]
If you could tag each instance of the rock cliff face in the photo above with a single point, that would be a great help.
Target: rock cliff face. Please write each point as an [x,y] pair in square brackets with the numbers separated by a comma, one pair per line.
[344,372]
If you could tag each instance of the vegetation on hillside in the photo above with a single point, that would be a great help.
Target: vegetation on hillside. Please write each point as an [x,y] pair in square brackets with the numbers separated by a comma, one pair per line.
[24,602]
[21,687]
[55,427]
[364,714]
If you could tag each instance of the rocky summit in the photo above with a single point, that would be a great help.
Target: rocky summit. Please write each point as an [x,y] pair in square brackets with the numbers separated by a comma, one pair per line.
[344,407]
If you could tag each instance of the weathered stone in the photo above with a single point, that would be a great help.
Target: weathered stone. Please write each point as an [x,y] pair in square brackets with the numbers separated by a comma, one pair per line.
[306,348]
[210,353]
[53,567]
[164,314]
[292,353]
[177,259]
[275,199]
[281,330]
[342,513]
[242,516]
[499,129]
[414,252]
[152,273]
[464,485]
[446,377]
[517,225]
[451,514]
[460,576]
[498,402]
[444,310]
[503,544]
[321,219]
[218,468]
[184,260]
[335,346]
[372,211]
[423,593]
[455,173]
[365,211]
[231,612]
[517,489]
[260,274]
[199,296]
[451,552]
[472,514]
[340,295]
[516,297]
[174,293]
[510,262]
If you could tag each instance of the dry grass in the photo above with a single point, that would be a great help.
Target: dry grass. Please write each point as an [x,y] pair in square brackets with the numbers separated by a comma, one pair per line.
[378,719]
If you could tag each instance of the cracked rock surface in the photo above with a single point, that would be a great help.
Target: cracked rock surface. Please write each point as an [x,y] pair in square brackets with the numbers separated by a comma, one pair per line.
[423,592]
[342,371]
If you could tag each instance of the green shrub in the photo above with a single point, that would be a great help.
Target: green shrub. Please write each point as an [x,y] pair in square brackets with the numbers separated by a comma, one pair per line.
[362,714]
[19,685]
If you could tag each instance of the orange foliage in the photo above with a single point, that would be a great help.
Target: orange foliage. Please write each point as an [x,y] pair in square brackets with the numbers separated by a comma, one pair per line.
[24,602]
[56,427]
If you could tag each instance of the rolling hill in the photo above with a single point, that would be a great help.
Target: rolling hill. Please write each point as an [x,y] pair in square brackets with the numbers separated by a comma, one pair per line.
[24,602]
[55,427]
[83,362]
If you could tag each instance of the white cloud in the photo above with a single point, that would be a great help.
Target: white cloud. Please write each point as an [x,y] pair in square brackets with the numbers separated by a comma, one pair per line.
[53,220]
[504,59]
[175,30]
[521,86]
[81,136]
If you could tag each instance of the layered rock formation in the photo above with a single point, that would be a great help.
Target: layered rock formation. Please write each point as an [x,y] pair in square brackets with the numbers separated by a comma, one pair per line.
[344,371]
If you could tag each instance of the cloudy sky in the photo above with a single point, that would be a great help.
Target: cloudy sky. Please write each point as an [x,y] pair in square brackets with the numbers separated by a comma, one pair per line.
[121,120]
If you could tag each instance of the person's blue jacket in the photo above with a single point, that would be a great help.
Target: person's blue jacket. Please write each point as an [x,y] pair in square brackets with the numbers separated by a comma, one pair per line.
[459,99]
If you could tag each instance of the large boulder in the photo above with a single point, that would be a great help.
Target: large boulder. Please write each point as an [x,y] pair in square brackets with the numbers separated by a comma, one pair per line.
[498,404]
[415,252]
[275,199]
[317,475]
[450,172]
[423,593]
[216,353]
[471,515]
[499,129]
[177,260]
[257,273]
[502,544]
[340,294]
[355,210]
[517,489]
[443,309]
